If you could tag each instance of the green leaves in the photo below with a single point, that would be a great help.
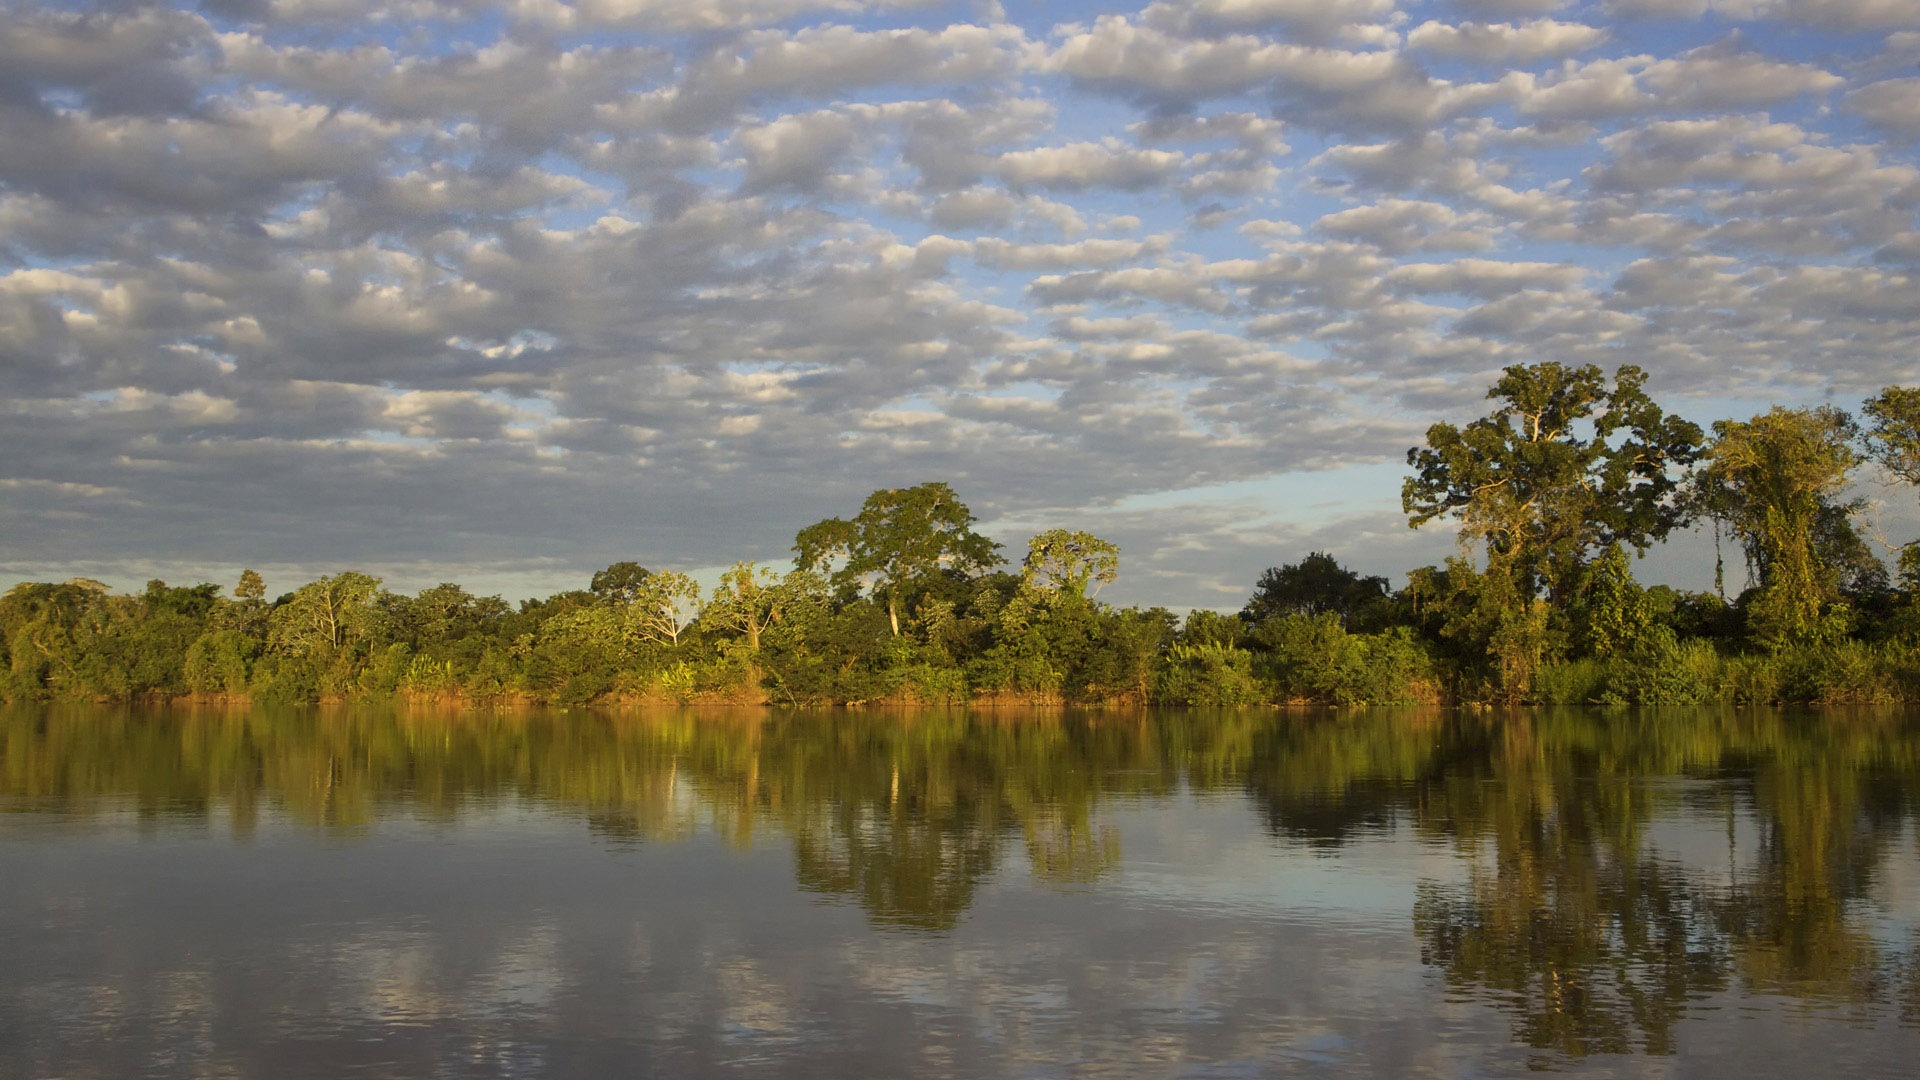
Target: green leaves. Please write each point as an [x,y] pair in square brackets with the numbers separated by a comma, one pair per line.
[1893,439]
[1775,479]
[1066,562]
[901,538]
[1562,467]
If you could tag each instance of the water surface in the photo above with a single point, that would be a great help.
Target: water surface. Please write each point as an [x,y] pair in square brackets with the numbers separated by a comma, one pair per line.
[383,892]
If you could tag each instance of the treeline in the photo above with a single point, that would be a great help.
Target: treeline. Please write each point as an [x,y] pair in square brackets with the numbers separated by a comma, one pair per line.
[905,602]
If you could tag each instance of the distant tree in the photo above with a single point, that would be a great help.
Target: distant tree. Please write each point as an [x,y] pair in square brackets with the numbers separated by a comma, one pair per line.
[750,599]
[902,538]
[251,587]
[325,614]
[1203,627]
[620,584]
[1893,442]
[1777,479]
[1315,585]
[1565,466]
[667,604]
[1893,435]
[1066,562]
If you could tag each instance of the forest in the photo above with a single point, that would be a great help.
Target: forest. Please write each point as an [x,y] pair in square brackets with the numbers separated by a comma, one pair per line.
[1569,476]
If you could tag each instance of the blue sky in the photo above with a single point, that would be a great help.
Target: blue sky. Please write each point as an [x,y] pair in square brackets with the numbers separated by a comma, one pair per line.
[506,290]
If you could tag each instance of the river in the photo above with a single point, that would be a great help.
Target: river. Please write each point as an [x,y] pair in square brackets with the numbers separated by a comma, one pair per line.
[212,891]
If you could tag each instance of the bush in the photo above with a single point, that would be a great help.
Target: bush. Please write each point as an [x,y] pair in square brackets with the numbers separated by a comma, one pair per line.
[220,662]
[1314,658]
[1207,673]
[1573,682]
[1661,670]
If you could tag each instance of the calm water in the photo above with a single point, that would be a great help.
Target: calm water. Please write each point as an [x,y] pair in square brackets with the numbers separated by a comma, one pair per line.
[391,893]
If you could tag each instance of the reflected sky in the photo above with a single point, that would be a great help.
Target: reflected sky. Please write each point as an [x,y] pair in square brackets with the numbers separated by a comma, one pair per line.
[205,893]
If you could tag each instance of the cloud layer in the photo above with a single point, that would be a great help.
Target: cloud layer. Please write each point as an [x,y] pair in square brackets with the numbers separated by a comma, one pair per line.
[509,289]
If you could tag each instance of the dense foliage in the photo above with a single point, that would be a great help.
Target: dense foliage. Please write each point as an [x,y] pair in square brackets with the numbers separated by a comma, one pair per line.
[905,602]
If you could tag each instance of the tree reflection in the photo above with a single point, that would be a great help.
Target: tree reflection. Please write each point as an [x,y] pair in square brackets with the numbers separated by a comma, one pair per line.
[1573,920]
[1574,914]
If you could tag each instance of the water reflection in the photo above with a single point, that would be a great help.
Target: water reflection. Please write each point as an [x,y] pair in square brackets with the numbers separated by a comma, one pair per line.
[1610,871]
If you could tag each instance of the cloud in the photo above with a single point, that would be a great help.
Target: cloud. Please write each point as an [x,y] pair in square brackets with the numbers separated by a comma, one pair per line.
[543,284]
[1837,14]
[1315,20]
[1403,225]
[687,15]
[1893,104]
[1525,42]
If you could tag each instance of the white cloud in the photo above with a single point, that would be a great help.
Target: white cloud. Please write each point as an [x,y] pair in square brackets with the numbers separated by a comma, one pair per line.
[1401,225]
[681,273]
[1525,42]
[1893,104]
[1840,14]
[1086,165]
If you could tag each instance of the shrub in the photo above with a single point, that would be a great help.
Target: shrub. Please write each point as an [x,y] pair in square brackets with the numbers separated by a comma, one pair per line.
[1207,673]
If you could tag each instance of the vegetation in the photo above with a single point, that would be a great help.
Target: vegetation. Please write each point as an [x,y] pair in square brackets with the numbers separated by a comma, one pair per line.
[905,602]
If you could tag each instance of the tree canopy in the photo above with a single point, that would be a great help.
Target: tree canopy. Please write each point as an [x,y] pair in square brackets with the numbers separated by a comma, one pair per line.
[1067,562]
[900,539]
[1777,480]
[1563,467]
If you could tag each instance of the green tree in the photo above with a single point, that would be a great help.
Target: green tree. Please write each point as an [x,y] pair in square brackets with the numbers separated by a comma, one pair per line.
[750,599]
[1776,479]
[665,605]
[1893,442]
[902,538]
[1315,585]
[1893,434]
[47,630]
[579,653]
[1565,466]
[251,586]
[1613,613]
[325,615]
[1065,562]
[620,584]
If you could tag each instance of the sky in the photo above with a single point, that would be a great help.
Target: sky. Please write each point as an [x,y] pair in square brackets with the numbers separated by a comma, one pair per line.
[504,291]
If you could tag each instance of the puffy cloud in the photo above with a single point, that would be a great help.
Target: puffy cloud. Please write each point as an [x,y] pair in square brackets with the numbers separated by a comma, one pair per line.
[1509,7]
[1091,252]
[1312,19]
[686,15]
[1893,104]
[1482,277]
[1086,165]
[1838,14]
[1494,42]
[683,273]
[1402,225]
[1141,59]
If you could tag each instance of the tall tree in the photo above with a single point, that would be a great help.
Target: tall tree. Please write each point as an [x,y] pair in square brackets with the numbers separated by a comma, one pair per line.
[326,614]
[751,598]
[1066,562]
[1777,479]
[621,583]
[901,538]
[1893,441]
[1893,434]
[1563,467]
[1315,585]
[667,604]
